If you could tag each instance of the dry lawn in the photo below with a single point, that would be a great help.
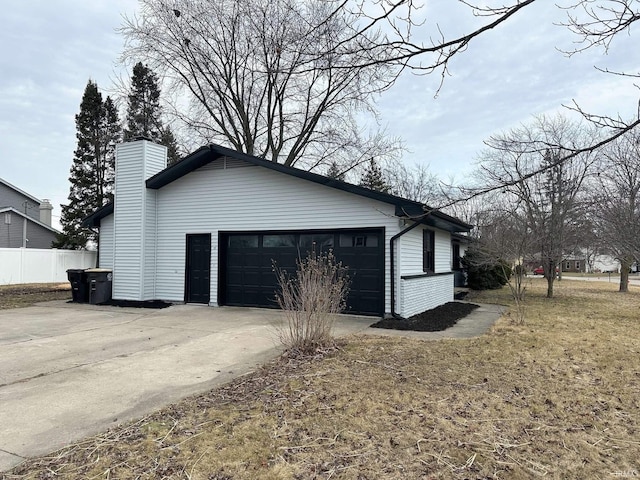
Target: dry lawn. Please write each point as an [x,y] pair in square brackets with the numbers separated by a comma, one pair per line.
[25,295]
[558,397]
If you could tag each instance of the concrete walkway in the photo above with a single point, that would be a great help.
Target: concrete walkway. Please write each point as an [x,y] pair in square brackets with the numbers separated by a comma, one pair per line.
[69,371]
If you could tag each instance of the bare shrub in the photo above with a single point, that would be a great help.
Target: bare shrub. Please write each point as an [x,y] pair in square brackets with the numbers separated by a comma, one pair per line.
[310,301]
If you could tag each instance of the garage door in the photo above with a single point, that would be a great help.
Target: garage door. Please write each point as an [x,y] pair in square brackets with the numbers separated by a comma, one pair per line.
[248,279]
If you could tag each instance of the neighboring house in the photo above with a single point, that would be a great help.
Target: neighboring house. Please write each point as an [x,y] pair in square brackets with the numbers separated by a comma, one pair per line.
[609,264]
[25,221]
[209,228]
[574,265]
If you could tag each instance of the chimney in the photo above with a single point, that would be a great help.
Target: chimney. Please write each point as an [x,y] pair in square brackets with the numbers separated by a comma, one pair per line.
[45,212]
[134,219]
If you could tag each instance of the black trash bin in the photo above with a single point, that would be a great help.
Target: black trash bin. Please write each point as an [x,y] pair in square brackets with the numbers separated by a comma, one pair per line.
[79,285]
[99,281]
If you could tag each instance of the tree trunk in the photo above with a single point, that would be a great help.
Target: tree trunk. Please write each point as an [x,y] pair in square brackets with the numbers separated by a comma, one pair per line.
[550,275]
[550,280]
[624,276]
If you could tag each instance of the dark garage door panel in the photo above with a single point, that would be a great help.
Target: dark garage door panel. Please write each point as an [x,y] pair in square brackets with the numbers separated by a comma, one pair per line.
[248,278]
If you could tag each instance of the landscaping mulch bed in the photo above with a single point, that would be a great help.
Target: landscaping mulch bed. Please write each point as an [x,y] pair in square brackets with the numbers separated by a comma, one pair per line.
[157,304]
[434,320]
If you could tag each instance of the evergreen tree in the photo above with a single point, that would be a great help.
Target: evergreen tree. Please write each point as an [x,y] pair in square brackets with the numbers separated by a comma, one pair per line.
[168,140]
[373,179]
[93,167]
[144,112]
[334,172]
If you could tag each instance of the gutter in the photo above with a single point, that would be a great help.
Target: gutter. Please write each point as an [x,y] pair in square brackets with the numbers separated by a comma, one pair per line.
[395,314]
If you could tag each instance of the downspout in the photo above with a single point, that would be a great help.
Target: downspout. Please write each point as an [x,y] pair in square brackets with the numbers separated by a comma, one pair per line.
[395,314]
[24,230]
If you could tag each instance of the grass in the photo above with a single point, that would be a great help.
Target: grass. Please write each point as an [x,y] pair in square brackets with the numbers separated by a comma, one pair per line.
[25,295]
[557,397]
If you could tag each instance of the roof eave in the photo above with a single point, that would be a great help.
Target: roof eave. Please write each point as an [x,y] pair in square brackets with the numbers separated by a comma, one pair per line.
[431,217]
[93,220]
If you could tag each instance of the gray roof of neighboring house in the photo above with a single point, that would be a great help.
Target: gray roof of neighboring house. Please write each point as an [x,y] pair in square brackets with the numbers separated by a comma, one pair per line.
[21,192]
[404,208]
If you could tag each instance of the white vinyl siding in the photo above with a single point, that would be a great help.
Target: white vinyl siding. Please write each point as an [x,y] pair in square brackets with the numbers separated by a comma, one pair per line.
[149,232]
[211,199]
[149,268]
[106,242]
[443,252]
[424,293]
[410,248]
[134,211]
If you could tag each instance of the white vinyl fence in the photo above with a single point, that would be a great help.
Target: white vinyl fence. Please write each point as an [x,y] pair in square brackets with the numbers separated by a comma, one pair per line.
[34,265]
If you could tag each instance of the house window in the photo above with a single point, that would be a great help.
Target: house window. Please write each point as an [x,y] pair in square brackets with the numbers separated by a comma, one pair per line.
[577,264]
[428,247]
[455,249]
[567,265]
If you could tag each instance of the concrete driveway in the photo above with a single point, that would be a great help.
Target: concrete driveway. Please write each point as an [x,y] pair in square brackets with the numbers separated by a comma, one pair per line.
[68,371]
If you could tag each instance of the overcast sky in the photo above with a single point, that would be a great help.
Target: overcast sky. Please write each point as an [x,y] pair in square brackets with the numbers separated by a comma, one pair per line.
[49,49]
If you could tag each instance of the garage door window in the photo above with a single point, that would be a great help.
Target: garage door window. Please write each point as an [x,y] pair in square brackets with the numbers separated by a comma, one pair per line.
[358,240]
[322,240]
[278,241]
[243,241]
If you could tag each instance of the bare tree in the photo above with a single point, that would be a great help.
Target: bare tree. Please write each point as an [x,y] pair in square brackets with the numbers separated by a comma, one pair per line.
[543,183]
[505,236]
[289,80]
[310,301]
[267,77]
[616,202]
[597,22]
[415,183]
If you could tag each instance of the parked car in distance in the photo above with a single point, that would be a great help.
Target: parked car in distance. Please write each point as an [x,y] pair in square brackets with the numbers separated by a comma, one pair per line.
[540,271]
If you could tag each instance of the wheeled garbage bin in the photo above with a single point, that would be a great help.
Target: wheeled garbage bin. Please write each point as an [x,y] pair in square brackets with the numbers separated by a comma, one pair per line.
[79,285]
[100,282]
